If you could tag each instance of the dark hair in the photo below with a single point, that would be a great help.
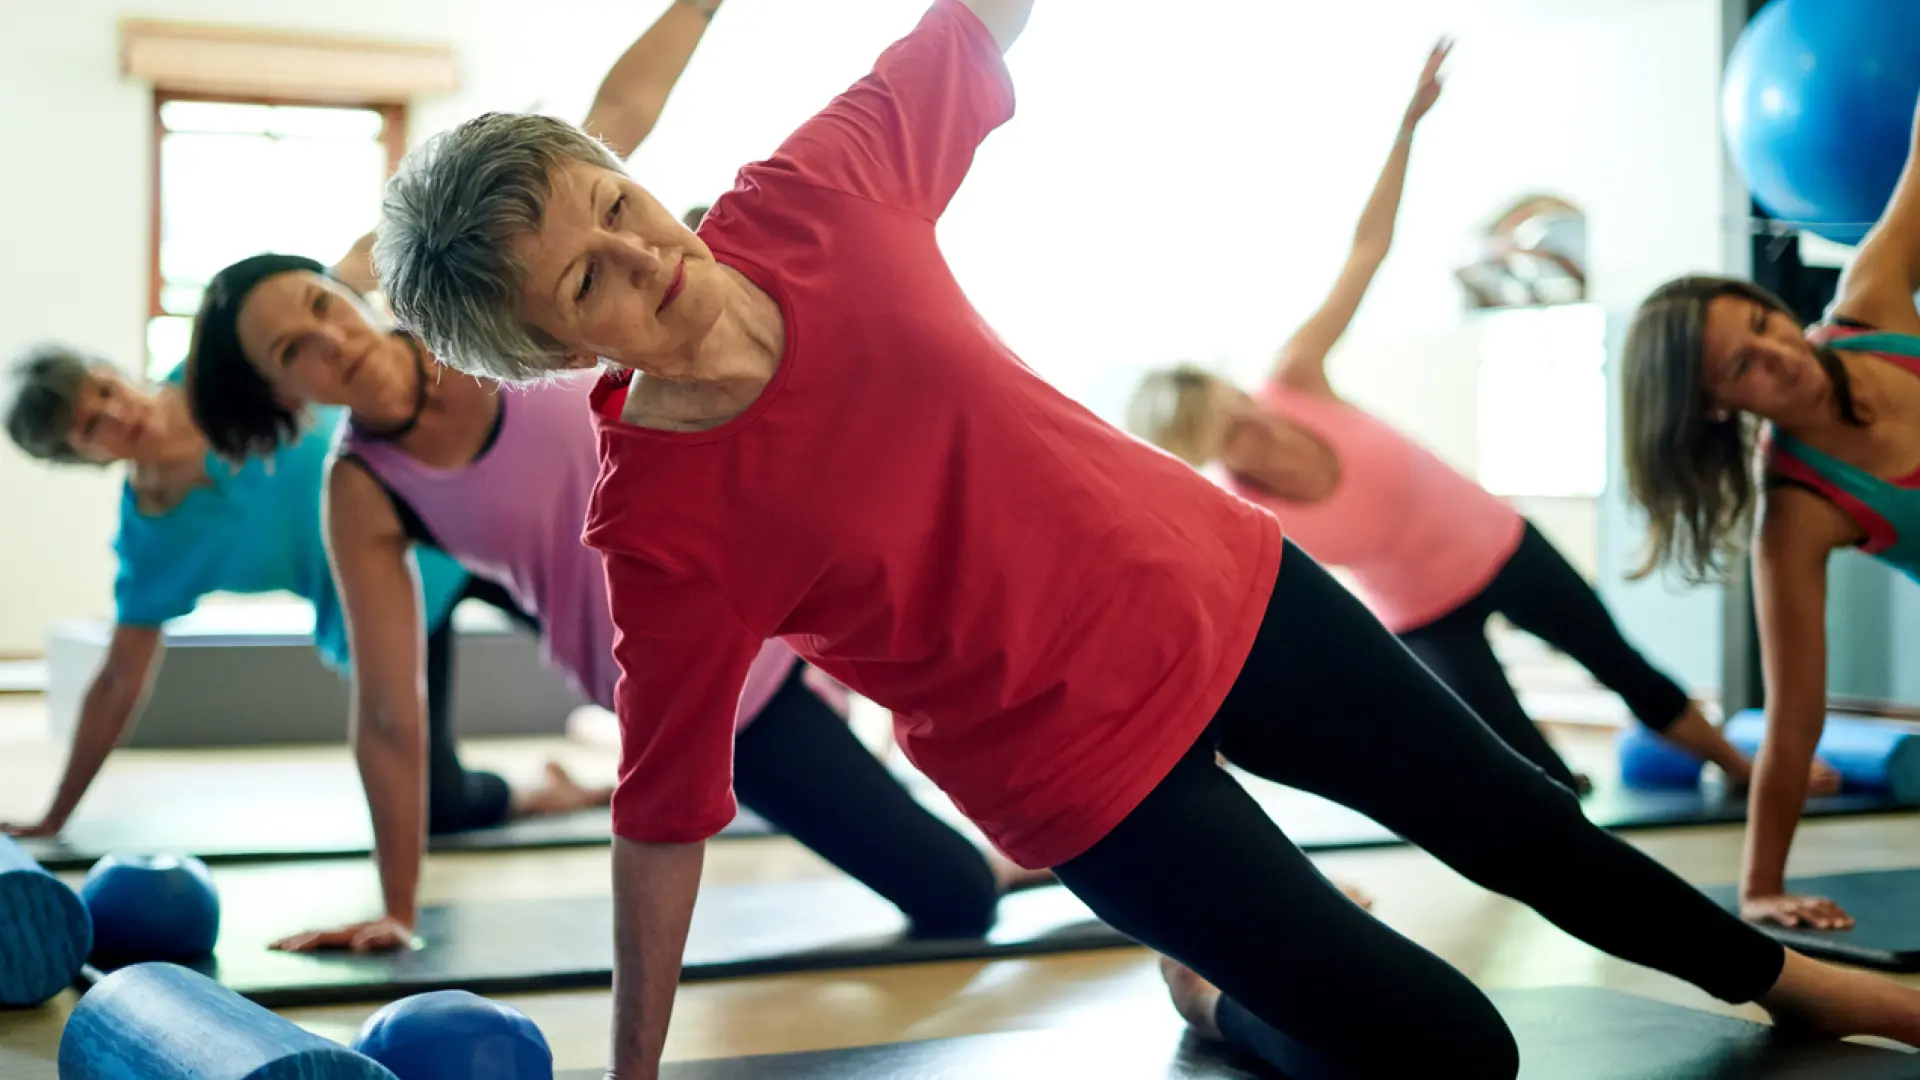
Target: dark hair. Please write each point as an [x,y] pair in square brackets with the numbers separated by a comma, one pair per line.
[1695,478]
[694,215]
[230,401]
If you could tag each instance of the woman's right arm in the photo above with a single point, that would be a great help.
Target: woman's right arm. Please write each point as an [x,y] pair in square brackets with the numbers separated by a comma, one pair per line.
[106,715]
[1878,286]
[1798,532]
[367,547]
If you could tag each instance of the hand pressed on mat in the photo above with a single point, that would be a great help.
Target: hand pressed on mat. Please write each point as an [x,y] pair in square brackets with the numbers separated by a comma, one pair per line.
[386,934]
[1784,909]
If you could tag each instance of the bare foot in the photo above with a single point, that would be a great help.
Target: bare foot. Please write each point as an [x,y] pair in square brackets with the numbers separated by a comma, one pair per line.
[561,794]
[1355,894]
[1831,1000]
[1194,998]
[1013,877]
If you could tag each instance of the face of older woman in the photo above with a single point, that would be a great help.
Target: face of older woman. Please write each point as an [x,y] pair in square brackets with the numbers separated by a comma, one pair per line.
[611,273]
[114,419]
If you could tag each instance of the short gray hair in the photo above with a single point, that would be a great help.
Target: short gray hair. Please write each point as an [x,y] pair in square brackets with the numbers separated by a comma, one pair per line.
[43,386]
[442,252]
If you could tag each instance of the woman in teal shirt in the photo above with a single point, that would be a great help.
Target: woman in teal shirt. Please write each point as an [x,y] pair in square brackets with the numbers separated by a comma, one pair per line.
[191,524]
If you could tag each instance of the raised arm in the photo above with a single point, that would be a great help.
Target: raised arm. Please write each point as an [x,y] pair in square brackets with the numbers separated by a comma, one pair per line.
[1878,286]
[1798,532]
[367,548]
[635,91]
[1302,363]
[112,701]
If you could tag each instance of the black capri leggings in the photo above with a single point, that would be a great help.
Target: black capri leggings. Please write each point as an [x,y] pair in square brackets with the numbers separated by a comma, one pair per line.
[1330,703]
[800,766]
[1540,593]
[459,799]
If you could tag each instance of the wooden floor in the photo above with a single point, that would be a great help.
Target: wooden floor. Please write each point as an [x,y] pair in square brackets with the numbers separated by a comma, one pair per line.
[1496,942]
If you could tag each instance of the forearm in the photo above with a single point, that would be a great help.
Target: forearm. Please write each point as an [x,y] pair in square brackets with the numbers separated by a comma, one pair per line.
[105,715]
[392,763]
[1774,806]
[635,91]
[654,887]
[1373,236]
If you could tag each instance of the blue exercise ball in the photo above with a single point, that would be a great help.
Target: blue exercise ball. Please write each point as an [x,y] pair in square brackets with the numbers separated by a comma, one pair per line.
[151,907]
[455,1035]
[1818,107]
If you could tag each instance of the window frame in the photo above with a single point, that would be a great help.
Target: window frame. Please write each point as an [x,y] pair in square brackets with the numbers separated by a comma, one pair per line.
[393,135]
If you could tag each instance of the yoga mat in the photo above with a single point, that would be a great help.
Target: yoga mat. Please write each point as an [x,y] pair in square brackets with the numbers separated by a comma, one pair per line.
[1315,824]
[1574,1033]
[519,946]
[1885,905]
[279,812]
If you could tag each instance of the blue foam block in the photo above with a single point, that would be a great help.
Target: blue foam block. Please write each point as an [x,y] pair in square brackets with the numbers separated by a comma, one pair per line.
[162,1022]
[1649,761]
[1869,755]
[45,931]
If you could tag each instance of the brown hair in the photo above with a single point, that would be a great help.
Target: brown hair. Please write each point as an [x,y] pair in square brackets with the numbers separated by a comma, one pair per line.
[1695,478]
[1173,409]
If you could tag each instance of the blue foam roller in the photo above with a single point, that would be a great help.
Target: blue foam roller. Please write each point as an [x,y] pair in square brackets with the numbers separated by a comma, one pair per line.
[1649,761]
[1869,755]
[45,932]
[163,1022]
[455,1035]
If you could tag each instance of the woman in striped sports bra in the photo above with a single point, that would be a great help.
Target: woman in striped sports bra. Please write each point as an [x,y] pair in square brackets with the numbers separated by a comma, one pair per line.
[1434,554]
[1718,373]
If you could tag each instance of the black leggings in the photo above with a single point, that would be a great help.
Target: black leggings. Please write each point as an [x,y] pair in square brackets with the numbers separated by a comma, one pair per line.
[1541,594]
[800,766]
[1330,703]
[459,799]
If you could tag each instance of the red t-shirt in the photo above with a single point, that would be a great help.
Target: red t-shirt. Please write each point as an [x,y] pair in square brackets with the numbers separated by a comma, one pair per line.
[1052,609]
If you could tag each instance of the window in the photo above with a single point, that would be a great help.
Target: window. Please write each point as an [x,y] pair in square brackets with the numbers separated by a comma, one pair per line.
[1543,401]
[234,177]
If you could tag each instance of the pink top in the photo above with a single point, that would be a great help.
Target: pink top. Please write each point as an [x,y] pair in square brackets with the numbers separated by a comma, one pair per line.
[1419,538]
[514,514]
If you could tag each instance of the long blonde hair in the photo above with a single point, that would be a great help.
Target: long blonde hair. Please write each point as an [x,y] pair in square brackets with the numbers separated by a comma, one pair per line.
[1173,409]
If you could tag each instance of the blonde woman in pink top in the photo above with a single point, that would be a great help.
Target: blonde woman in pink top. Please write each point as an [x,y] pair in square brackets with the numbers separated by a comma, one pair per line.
[1432,552]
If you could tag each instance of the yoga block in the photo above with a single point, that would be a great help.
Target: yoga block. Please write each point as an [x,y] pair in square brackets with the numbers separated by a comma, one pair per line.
[1869,755]
[163,1022]
[45,931]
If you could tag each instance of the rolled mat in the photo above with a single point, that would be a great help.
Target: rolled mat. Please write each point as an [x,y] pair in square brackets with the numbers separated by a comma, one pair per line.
[1869,755]
[1648,761]
[45,931]
[163,1022]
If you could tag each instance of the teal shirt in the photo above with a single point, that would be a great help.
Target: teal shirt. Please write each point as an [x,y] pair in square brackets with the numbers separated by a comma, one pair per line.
[253,529]
[1889,512]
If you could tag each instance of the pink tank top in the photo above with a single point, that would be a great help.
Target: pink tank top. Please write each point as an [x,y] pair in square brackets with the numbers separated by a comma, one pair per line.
[514,515]
[1419,538]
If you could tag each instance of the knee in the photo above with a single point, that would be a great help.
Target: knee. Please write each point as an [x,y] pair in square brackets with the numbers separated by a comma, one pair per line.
[963,905]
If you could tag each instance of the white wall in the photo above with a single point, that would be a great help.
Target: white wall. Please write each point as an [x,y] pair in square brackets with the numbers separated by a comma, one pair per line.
[1173,187]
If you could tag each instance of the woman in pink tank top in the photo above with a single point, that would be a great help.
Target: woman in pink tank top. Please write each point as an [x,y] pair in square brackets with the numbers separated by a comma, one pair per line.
[1432,553]
[430,456]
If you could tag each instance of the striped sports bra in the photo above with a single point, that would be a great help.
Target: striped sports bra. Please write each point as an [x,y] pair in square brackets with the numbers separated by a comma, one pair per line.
[1888,511]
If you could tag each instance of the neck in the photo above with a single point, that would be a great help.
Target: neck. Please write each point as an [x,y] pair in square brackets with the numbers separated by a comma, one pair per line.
[744,344]
[175,440]
[402,399]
